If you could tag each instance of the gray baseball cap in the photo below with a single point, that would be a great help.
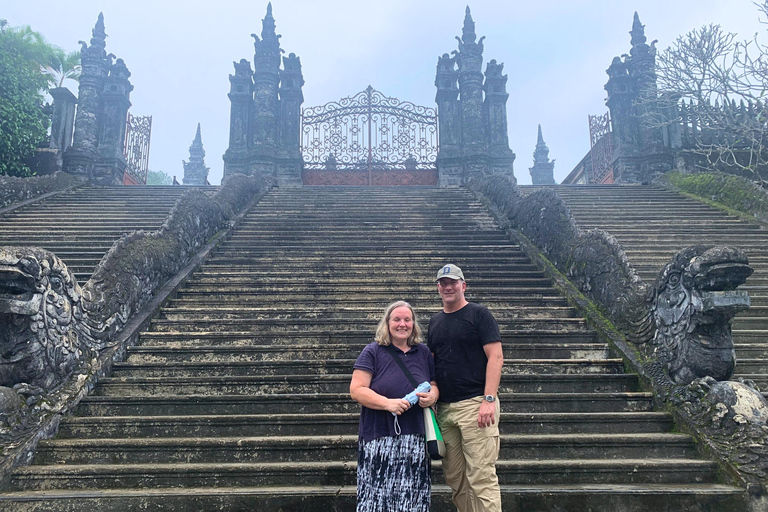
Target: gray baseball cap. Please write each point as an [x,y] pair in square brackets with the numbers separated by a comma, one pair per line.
[450,270]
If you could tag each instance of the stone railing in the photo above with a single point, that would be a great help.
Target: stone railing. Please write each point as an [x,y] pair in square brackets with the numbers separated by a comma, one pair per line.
[15,190]
[720,189]
[678,328]
[58,339]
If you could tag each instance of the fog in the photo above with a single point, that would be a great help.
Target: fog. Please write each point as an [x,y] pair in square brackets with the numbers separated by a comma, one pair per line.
[555,53]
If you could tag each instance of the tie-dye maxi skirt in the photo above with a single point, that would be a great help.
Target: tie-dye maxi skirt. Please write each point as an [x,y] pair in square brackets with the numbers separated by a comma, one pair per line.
[393,474]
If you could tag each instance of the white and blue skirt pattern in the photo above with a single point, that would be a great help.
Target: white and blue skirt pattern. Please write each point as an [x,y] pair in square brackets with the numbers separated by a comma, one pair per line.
[393,474]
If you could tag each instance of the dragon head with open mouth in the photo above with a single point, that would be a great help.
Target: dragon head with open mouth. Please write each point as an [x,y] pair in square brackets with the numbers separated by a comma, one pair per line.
[694,302]
[40,310]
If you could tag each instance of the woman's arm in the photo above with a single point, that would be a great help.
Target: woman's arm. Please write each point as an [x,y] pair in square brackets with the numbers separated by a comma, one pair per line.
[361,392]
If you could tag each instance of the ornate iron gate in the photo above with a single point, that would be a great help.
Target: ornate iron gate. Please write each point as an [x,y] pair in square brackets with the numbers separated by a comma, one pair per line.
[601,149]
[369,139]
[137,135]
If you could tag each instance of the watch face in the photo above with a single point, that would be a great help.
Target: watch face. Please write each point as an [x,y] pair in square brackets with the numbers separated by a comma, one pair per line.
[489,398]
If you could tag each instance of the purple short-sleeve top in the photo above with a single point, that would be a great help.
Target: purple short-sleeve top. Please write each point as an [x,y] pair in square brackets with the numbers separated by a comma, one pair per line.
[389,380]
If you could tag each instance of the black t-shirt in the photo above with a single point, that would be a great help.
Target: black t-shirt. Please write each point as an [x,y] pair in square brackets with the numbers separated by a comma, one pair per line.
[457,340]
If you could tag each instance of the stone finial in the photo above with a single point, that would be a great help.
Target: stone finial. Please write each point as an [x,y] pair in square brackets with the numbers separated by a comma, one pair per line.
[199,140]
[243,68]
[120,70]
[468,33]
[268,23]
[637,32]
[99,35]
[494,69]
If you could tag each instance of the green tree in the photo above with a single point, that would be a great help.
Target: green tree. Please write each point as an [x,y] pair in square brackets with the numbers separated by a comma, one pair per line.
[62,66]
[23,125]
[158,178]
[725,82]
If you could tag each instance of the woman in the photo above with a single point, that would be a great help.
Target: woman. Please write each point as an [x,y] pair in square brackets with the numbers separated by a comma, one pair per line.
[393,471]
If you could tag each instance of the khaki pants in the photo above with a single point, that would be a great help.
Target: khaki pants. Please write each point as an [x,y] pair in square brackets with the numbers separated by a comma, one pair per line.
[469,465]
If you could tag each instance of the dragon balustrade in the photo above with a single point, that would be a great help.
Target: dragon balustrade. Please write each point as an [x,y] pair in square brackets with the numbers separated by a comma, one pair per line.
[53,331]
[678,328]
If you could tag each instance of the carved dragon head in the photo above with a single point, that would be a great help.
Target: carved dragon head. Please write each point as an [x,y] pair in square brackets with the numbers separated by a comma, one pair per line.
[694,301]
[40,308]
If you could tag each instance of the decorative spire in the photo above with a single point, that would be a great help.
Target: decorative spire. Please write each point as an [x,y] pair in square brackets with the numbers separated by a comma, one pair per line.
[268,24]
[99,35]
[199,140]
[541,154]
[195,171]
[542,172]
[637,32]
[468,33]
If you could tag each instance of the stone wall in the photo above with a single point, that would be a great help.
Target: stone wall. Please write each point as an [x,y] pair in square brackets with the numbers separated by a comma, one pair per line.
[15,190]
[733,192]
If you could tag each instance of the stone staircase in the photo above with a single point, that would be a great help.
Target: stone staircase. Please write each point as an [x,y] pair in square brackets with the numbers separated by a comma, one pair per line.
[652,224]
[236,398]
[80,225]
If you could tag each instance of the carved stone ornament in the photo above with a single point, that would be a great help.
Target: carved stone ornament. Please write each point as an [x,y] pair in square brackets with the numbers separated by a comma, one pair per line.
[41,310]
[694,302]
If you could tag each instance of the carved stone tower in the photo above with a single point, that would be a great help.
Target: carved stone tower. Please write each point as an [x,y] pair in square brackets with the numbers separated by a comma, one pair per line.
[103,102]
[639,153]
[542,172]
[265,116]
[195,171]
[472,113]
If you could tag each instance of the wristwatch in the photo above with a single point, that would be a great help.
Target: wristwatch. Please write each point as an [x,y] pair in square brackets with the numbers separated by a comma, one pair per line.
[490,398]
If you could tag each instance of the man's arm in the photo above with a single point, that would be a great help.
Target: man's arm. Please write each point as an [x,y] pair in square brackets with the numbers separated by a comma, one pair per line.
[495,355]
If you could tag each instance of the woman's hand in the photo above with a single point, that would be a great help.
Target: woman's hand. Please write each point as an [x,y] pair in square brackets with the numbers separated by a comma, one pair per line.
[397,405]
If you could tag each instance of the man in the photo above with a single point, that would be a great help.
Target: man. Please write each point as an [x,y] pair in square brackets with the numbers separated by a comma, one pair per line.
[464,338]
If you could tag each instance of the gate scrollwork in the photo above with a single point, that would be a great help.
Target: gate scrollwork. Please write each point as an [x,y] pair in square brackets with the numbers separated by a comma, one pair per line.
[369,130]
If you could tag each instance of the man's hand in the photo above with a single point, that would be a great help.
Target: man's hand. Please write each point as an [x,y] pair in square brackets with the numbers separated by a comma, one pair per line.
[487,415]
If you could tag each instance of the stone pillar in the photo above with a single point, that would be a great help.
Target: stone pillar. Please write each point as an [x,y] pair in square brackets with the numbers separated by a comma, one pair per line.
[241,112]
[495,115]
[195,171]
[449,165]
[470,61]
[110,164]
[639,151]
[266,69]
[542,172]
[63,118]
[79,158]
[290,162]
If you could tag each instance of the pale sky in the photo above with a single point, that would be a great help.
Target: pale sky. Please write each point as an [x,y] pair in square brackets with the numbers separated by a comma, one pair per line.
[554,51]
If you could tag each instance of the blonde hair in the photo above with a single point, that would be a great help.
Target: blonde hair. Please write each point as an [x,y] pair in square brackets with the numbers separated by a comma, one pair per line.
[382,330]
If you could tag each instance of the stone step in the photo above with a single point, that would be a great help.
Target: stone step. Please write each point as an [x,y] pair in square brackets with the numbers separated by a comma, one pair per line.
[184,351]
[175,312]
[751,351]
[278,339]
[273,325]
[420,303]
[346,286]
[218,365]
[427,293]
[315,403]
[250,425]
[616,471]
[515,498]
[308,384]
[286,448]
